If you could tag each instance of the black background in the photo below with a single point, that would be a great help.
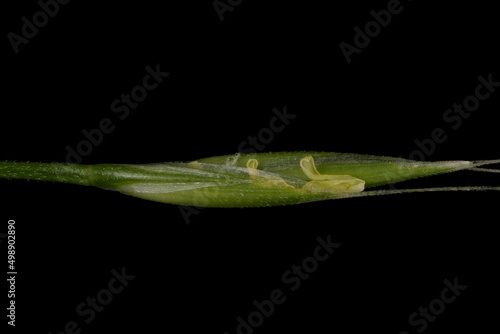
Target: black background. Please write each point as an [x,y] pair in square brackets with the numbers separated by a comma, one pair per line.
[225,79]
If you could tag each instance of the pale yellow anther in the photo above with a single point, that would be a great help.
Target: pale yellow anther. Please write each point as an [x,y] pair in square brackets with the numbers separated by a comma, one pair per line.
[265,179]
[319,184]
[252,163]
[323,183]
[309,168]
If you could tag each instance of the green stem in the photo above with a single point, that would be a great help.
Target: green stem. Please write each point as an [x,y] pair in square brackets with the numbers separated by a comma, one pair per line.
[58,172]
[106,176]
